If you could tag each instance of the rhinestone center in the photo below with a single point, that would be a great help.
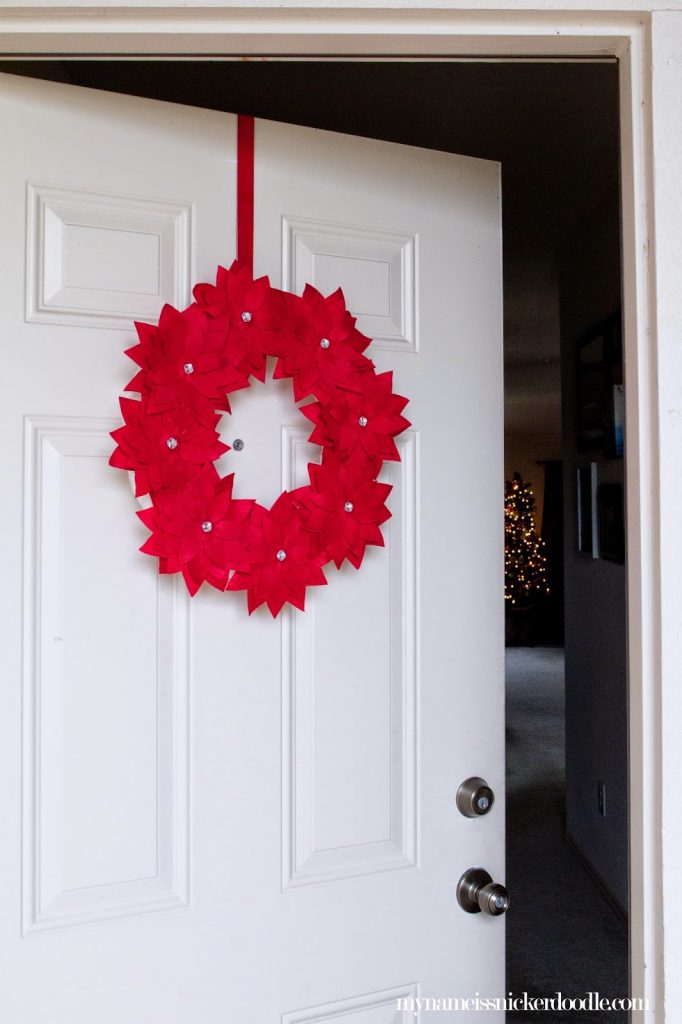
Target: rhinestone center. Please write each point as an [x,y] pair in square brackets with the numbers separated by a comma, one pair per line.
[246,317]
[281,555]
[172,443]
[363,421]
[188,368]
[348,506]
[324,343]
[207,526]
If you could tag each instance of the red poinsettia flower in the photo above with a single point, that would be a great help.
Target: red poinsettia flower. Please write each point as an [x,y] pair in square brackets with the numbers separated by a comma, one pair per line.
[367,420]
[164,449]
[321,346]
[248,312]
[346,506]
[199,530]
[184,358]
[284,558]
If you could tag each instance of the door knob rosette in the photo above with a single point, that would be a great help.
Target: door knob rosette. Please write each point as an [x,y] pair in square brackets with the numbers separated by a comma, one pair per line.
[477,893]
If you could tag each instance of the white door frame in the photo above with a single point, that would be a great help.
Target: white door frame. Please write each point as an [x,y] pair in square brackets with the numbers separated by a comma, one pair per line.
[427,33]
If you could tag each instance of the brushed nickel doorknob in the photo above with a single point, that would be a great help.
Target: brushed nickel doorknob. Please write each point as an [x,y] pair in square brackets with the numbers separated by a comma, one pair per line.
[476,893]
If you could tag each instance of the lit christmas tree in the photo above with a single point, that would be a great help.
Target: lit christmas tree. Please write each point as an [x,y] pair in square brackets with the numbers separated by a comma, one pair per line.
[525,563]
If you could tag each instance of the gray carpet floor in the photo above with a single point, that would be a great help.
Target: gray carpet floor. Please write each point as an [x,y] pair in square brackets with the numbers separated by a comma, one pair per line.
[562,934]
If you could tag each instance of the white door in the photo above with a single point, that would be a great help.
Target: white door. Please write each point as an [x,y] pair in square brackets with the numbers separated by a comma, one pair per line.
[207,817]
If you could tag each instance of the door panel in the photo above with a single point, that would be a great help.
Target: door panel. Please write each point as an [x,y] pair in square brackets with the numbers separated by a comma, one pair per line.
[104,259]
[375,268]
[106,771]
[215,817]
[350,724]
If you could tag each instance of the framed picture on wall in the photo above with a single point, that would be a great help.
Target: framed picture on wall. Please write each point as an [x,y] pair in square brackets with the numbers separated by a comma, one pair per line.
[599,389]
[617,432]
[615,394]
[588,532]
[611,522]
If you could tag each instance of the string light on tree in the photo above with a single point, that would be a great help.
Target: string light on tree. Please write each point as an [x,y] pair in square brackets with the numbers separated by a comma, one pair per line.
[525,563]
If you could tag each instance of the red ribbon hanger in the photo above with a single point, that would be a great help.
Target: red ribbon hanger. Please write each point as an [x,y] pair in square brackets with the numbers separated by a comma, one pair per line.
[245,170]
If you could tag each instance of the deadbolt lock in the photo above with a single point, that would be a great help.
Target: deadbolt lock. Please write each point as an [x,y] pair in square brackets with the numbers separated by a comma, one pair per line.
[475,797]
[477,893]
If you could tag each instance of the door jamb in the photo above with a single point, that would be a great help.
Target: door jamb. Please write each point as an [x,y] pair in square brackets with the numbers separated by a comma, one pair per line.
[423,33]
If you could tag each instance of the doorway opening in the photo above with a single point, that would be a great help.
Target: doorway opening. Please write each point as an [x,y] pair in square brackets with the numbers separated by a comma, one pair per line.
[567,717]
[554,128]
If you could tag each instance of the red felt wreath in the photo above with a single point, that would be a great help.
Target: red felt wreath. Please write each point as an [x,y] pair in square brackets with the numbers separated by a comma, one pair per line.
[188,365]
[190,362]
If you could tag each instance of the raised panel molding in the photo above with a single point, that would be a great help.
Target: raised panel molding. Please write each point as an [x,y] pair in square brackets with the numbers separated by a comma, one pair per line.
[376,269]
[374,1008]
[95,259]
[131,855]
[307,857]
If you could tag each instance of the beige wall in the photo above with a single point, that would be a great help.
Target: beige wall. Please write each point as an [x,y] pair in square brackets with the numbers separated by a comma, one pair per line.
[526,454]
[532,372]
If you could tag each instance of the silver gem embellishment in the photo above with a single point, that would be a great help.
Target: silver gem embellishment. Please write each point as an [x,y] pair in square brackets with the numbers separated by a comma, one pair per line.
[324,343]
[246,317]
[207,526]
[363,421]
[171,443]
[281,555]
[348,506]
[188,368]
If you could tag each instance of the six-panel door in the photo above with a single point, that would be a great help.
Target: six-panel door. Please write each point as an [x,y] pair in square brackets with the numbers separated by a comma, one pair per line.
[209,816]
